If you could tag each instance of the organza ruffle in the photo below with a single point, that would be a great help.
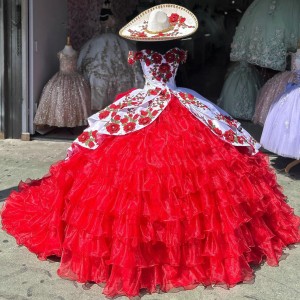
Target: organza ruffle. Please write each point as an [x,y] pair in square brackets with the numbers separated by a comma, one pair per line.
[164,207]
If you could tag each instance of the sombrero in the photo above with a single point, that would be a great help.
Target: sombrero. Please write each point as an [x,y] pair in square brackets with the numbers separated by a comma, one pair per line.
[161,23]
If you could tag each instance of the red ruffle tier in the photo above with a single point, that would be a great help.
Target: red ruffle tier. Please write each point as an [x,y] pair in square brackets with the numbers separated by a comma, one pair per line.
[164,207]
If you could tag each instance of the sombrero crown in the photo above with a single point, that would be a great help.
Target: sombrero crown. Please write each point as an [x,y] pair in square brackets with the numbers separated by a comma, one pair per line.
[161,23]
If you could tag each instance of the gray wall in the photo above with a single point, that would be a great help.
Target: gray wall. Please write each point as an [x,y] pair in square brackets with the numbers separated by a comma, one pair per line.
[47,36]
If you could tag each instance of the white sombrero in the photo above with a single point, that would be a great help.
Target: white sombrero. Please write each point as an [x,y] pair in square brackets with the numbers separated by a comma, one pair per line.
[161,23]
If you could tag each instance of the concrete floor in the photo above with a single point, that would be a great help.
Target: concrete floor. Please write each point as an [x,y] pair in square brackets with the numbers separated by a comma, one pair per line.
[23,276]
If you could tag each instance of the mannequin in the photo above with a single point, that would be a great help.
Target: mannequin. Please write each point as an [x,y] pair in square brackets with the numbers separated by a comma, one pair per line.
[65,100]
[68,49]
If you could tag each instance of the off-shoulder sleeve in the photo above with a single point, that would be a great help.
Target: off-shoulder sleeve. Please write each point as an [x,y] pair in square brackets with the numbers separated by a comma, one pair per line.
[134,56]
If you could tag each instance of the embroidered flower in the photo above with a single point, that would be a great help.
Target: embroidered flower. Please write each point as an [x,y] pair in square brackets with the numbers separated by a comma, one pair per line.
[182,20]
[117,118]
[170,57]
[94,134]
[112,128]
[241,140]
[84,137]
[138,55]
[147,62]
[217,131]
[103,114]
[124,120]
[174,18]
[91,144]
[157,58]
[229,136]
[129,127]
[144,121]
[164,68]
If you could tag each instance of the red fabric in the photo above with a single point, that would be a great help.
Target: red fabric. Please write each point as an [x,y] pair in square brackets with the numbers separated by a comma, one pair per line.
[164,207]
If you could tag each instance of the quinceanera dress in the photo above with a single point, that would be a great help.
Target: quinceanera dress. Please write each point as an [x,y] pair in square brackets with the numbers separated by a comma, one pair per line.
[240,90]
[273,89]
[163,190]
[281,133]
[66,98]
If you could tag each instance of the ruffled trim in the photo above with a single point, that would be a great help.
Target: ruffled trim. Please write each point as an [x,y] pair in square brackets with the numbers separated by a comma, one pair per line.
[153,210]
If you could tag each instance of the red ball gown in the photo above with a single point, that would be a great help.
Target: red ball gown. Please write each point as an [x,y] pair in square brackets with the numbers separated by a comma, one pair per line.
[162,190]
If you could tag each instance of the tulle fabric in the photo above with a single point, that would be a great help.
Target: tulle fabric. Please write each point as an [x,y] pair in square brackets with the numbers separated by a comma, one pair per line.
[164,207]
[270,93]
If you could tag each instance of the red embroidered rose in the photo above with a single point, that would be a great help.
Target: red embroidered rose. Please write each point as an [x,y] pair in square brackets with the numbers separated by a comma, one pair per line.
[210,123]
[153,92]
[131,60]
[182,95]
[164,68]
[148,51]
[142,34]
[84,137]
[103,114]
[135,117]
[138,55]
[117,118]
[229,136]
[91,144]
[113,128]
[241,140]
[144,121]
[124,120]
[217,131]
[174,18]
[157,58]
[154,113]
[170,57]
[147,62]
[144,113]
[129,126]
[181,20]
[94,134]
[190,96]
[168,75]
[114,106]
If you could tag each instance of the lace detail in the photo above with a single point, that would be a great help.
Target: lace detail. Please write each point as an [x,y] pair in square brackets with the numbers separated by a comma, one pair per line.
[266,33]
[103,61]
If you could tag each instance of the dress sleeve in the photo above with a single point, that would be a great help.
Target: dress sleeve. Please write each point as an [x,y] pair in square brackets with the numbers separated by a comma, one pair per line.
[131,57]
[134,56]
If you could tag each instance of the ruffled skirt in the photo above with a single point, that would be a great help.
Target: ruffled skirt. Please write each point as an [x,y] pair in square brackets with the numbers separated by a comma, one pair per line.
[164,207]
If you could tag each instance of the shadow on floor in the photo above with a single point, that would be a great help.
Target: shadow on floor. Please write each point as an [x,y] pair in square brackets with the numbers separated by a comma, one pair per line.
[5,193]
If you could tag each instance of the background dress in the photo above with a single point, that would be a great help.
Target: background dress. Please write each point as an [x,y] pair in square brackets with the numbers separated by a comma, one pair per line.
[240,89]
[281,132]
[162,200]
[103,61]
[273,89]
[66,98]
[268,30]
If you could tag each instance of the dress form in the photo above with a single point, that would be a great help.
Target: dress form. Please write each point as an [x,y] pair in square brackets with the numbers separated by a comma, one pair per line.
[68,49]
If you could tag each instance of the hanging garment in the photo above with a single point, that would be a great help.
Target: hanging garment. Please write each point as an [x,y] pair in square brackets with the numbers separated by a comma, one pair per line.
[66,98]
[103,61]
[268,30]
[240,89]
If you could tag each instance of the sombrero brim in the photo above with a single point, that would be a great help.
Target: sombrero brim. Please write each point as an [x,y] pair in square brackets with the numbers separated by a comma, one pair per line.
[185,25]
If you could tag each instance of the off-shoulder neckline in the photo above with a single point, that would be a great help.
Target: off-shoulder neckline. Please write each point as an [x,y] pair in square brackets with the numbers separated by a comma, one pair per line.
[162,54]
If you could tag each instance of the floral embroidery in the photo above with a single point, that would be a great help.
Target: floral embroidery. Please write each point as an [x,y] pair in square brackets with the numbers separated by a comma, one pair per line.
[141,107]
[88,138]
[162,67]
